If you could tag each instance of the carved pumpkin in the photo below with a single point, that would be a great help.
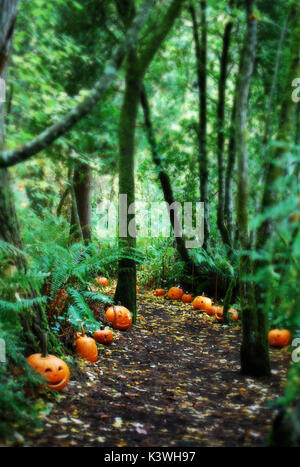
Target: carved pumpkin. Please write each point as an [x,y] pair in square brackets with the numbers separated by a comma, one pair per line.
[175,293]
[103,336]
[103,281]
[279,337]
[86,346]
[159,292]
[202,303]
[55,370]
[187,298]
[119,316]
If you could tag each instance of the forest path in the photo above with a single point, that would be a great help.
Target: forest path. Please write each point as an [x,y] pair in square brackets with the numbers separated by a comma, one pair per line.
[169,381]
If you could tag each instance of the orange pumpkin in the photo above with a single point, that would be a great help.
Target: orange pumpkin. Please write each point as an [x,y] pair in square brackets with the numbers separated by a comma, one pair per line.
[104,336]
[186,298]
[212,310]
[55,370]
[159,292]
[202,303]
[175,293]
[279,337]
[119,316]
[219,314]
[233,314]
[103,281]
[86,346]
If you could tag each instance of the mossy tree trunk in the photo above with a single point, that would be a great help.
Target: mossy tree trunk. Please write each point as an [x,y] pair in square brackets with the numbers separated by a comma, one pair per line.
[164,182]
[81,203]
[225,234]
[201,65]
[137,64]
[254,349]
[9,226]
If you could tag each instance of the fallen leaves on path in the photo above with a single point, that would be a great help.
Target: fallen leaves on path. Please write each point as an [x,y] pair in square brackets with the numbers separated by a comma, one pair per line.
[172,380]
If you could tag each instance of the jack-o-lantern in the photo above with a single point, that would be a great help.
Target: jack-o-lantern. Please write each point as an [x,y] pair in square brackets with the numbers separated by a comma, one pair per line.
[119,316]
[159,292]
[175,293]
[55,370]
[202,303]
[104,336]
[86,346]
[103,281]
[279,337]
[187,298]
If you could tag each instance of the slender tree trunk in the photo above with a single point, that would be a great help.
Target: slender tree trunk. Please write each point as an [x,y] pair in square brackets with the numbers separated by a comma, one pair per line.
[254,350]
[164,180]
[201,60]
[228,205]
[221,132]
[9,227]
[136,68]
[126,287]
[82,184]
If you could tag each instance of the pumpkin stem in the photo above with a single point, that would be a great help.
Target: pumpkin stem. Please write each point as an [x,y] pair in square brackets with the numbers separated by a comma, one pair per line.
[44,341]
[82,330]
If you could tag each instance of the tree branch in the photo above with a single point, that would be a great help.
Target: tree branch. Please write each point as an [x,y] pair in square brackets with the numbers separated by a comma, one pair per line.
[48,136]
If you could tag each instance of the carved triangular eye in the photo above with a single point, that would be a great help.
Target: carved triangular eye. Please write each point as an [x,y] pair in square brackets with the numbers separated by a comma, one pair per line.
[47,370]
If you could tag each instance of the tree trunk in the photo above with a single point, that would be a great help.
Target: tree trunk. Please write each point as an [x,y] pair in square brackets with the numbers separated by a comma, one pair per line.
[164,181]
[228,205]
[254,350]
[9,226]
[81,208]
[136,68]
[126,287]
[201,59]
[221,133]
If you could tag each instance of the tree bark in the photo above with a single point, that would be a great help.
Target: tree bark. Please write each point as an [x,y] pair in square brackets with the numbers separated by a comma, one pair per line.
[82,184]
[201,61]
[228,205]
[221,132]
[164,180]
[254,349]
[136,67]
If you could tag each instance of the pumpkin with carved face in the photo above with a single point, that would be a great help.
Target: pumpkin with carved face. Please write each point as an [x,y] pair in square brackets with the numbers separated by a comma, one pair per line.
[119,316]
[55,370]
[202,303]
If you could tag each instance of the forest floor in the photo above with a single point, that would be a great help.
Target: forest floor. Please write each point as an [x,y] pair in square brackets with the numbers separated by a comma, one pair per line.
[172,380]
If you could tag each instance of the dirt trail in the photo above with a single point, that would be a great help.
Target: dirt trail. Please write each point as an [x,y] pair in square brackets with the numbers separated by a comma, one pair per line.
[170,381]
